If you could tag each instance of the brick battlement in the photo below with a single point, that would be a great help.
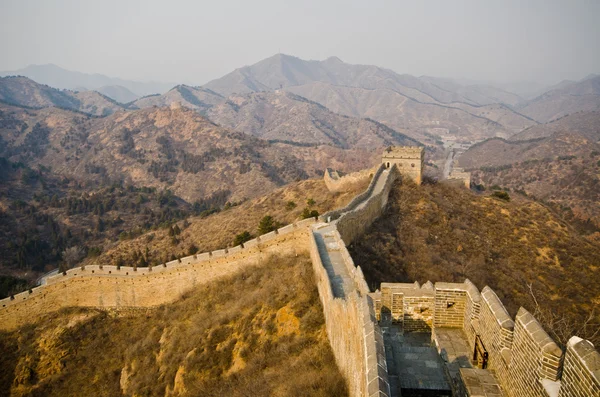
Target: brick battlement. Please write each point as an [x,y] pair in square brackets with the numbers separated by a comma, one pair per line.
[523,357]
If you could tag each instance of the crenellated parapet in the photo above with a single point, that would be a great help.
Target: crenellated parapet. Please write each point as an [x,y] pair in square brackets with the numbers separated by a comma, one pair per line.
[523,358]
[128,287]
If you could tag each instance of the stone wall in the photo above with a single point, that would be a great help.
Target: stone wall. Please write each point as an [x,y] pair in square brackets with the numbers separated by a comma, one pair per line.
[339,183]
[522,356]
[354,336]
[459,174]
[419,308]
[354,222]
[110,287]
[581,370]
[356,201]
[472,310]
[524,359]
[495,329]
[450,302]
[534,357]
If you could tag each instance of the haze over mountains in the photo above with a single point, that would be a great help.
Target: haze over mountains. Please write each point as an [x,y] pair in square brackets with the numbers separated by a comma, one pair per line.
[567,97]
[399,101]
[196,98]
[423,108]
[21,91]
[58,77]
[283,116]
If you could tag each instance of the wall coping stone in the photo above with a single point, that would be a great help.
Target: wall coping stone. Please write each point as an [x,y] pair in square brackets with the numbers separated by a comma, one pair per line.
[587,355]
[534,328]
[497,308]
[450,286]
[551,387]
[473,291]
[428,285]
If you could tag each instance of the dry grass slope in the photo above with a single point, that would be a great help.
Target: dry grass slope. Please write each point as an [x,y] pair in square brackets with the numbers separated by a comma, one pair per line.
[219,230]
[443,233]
[210,343]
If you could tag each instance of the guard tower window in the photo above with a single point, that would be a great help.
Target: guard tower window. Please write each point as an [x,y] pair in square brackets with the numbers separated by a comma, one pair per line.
[388,165]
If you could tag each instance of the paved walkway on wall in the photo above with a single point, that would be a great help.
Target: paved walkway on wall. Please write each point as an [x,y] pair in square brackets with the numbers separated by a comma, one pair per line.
[342,284]
[414,365]
[379,185]
[329,250]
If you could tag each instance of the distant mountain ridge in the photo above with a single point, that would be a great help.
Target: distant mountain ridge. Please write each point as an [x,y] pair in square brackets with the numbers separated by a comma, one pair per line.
[426,106]
[565,98]
[118,93]
[21,91]
[281,71]
[284,116]
[57,77]
[196,98]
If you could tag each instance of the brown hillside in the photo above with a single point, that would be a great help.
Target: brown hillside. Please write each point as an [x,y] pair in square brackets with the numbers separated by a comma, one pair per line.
[444,233]
[414,117]
[285,116]
[559,163]
[209,343]
[173,148]
[219,230]
[585,123]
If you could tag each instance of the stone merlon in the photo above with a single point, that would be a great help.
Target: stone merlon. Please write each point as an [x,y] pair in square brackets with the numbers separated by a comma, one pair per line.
[496,306]
[541,338]
[587,354]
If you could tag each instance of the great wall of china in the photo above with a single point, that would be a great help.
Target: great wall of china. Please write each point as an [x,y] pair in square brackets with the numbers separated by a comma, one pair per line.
[479,350]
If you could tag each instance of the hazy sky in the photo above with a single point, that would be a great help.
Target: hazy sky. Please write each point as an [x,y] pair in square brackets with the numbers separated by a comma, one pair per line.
[196,41]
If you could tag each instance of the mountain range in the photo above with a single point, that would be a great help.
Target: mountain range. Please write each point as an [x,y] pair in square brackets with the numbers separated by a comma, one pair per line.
[21,91]
[57,77]
[283,116]
[424,108]
[565,98]
[169,147]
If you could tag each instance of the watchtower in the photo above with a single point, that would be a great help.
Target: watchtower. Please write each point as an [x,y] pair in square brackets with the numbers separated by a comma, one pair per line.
[409,159]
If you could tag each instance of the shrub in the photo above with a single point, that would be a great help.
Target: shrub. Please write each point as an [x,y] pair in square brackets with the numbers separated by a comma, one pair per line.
[192,249]
[242,238]
[290,205]
[501,195]
[310,202]
[267,224]
[308,213]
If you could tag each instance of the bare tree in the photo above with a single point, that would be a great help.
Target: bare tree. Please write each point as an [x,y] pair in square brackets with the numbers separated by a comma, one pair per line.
[561,327]
[72,256]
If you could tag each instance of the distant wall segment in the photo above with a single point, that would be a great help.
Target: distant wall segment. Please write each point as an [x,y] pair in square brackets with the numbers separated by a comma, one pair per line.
[337,182]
